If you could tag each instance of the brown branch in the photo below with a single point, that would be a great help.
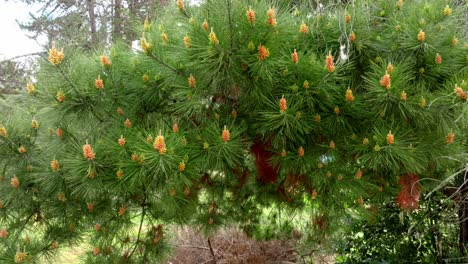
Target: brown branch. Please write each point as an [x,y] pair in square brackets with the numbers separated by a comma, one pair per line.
[24,55]
[190,246]
[212,252]
[449,191]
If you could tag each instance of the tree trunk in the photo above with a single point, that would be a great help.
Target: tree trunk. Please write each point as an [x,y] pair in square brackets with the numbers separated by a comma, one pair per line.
[103,33]
[117,25]
[463,221]
[458,195]
[460,199]
[92,21]
[133,8]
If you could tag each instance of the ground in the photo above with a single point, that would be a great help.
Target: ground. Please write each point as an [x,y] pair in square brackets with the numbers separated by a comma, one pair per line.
[230,246]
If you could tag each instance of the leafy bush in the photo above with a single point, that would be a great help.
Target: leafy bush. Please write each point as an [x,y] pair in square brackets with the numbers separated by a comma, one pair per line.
[428,235]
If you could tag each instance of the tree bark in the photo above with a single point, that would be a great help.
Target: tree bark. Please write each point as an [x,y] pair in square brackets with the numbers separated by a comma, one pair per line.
[463,213]
[117,25]
[463,223]
[133,8]
[459,194]
[92,21]
[104,21]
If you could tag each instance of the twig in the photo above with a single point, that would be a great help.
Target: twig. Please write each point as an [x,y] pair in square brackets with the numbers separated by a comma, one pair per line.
[24,225]
[164,64]
[11,81]
[66,77]
[444,182]
[24,55]
[143,212]
[211,250]
[190,246]
[73,85]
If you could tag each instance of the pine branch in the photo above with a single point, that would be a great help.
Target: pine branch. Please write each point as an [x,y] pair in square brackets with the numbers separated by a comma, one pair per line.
[143,213]
[24,225]
[52,11]
[184,12]
[24,55]
[164,64]
[98,117]
[73,85]
[66,78]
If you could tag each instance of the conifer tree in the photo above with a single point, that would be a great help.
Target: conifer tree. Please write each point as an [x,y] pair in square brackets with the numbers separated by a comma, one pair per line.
[230,109]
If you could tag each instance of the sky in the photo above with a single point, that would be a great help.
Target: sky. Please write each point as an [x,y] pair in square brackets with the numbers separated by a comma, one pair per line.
[13,41]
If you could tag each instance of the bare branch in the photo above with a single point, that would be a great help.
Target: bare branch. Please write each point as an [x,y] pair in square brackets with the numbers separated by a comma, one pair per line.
[24,55]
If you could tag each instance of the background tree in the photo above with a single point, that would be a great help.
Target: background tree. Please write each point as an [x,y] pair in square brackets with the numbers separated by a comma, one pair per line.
[89,24]
[16,73]
[12,77]
[231,110]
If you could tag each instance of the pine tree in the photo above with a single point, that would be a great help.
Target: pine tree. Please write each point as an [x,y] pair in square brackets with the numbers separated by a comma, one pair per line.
[230,109]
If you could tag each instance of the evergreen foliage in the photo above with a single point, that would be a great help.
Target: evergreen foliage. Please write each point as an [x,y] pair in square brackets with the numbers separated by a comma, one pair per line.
[225,112]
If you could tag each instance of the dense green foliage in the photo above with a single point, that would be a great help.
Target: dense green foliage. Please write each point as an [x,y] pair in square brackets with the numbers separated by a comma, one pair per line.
[426,236]
[219,117]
